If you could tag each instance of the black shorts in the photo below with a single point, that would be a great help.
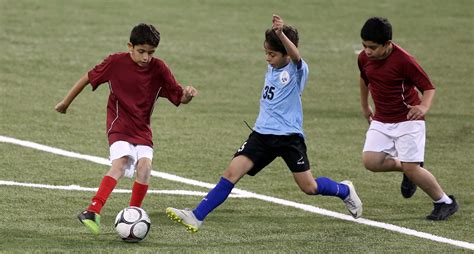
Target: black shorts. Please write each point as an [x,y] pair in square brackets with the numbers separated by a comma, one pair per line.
[262,149]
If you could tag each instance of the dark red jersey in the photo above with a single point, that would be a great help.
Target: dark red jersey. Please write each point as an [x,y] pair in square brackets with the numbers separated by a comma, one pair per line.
[393,83]
[133,94]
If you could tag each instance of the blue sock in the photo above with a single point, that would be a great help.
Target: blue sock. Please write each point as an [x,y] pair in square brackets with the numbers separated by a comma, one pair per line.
[214,198]
[328,187]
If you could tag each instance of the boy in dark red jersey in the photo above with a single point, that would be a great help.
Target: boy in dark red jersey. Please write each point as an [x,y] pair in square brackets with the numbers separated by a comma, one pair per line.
[395,140]
[136,79]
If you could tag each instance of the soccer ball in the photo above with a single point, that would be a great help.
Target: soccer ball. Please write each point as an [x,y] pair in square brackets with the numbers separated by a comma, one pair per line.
[132,224]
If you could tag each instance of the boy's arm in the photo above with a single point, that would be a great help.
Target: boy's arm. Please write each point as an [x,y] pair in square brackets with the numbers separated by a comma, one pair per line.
[418,111]
[364,100]
[62,106]
[291,49]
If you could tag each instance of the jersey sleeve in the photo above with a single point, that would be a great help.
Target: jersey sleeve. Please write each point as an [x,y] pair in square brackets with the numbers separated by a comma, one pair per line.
[417,75]
[100,73]
[302,71]
[361,69]
[170,89]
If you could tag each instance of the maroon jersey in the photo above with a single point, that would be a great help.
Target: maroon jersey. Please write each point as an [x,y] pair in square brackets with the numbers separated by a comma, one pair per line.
[393,84]
[133,93]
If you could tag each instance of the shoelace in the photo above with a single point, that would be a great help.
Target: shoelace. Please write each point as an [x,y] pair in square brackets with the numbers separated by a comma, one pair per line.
[350,202]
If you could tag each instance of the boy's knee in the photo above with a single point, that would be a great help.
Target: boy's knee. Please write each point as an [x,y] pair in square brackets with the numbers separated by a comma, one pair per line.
[410,168]
[116,172]
[370,165]
[229,175]
[374,161]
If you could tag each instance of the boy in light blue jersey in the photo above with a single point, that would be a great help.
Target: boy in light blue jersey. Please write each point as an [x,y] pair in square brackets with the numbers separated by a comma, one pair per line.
[278,132]
[280,105]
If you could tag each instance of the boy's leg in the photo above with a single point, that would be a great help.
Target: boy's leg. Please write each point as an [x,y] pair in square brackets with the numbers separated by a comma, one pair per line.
[424,179]
[328,187]
[379,149]
[408,187]
[91,217]
[192,220]
[319,186]
[381,162]
[139,191]
[140,186]
[444,205]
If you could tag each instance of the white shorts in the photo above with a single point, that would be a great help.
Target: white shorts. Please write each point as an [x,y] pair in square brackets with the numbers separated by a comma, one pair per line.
[405,140]
[120,149]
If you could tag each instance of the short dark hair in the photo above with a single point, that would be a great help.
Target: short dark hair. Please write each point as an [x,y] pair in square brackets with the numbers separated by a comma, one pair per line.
[377,29]
[274,43]
[145,34]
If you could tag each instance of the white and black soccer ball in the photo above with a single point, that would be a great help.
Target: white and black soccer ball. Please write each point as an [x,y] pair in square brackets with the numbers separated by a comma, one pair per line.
[132,224]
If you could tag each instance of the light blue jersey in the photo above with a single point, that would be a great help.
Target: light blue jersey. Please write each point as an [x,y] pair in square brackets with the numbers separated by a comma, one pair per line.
[281,111]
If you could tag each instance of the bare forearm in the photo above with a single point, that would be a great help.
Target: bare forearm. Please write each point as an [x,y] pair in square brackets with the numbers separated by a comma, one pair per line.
[76,89]
[291,49]
[427,98]
[62,106]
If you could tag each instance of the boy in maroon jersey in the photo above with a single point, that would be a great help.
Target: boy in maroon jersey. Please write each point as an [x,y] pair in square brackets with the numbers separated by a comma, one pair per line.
[395,140]
[136,79]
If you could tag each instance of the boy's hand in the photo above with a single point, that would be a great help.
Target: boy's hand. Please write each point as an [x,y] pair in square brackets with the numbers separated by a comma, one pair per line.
[61,107]
[188,93]
[416,112]
[277,24]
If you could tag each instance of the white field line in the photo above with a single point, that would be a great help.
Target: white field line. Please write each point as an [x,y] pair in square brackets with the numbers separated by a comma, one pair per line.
[80,188]
[284,202]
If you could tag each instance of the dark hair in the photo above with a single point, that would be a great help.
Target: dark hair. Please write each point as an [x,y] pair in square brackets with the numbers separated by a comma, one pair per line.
[274,43]
[377,29]
[145,34]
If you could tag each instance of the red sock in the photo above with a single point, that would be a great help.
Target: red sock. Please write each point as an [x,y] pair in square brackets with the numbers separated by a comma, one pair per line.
[138,194]
[106,187]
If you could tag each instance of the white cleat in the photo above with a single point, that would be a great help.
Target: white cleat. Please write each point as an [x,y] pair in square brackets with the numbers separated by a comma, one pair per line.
[185,217]
[352,201]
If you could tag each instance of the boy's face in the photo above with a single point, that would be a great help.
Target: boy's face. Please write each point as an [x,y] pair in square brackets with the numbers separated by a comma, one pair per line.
[375,51]
[141,54]
[274,58]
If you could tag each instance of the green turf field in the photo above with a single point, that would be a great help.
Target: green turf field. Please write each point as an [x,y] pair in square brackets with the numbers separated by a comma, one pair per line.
[217,46]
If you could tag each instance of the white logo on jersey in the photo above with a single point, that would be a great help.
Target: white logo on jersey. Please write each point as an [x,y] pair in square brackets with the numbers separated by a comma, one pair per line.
[284,77]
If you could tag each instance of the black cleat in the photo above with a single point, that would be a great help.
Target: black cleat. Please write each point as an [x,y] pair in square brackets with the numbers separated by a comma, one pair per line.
[408,188]
[442,211]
